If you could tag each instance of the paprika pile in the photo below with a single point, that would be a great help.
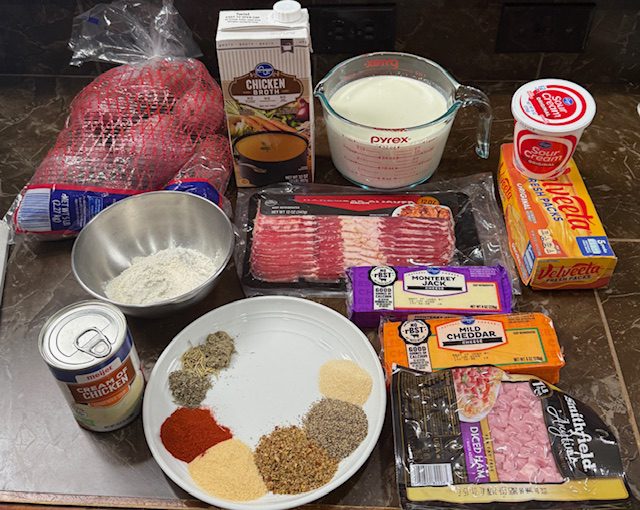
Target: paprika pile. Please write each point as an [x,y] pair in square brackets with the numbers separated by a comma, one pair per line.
[188,433]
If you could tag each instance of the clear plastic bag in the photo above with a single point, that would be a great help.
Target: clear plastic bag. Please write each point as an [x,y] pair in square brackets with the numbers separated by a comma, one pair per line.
[467,204]
[156,122]
[128,32]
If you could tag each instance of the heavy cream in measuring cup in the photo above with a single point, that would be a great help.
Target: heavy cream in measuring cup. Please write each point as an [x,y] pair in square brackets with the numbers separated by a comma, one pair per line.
[378,150]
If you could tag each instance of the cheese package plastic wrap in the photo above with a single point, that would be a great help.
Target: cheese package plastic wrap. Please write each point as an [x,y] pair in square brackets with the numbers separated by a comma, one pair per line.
[480,435]
[519,343]
[555,235]
[395,292]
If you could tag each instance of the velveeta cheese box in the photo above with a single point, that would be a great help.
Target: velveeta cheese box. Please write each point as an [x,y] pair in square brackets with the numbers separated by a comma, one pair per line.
[555,235]
[519,343]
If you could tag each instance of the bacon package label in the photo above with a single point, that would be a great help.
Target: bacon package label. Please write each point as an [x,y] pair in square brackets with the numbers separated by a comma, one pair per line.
[555,235]
[396,292]
[479,435]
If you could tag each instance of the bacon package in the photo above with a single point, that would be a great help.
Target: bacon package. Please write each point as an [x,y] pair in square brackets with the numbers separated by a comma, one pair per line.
[302,239]
[518,343]
[479,435]
[396,292]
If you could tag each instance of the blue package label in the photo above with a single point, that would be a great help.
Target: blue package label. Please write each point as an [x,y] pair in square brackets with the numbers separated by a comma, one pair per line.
[200,188]
[529,259]
[56,209]
[594,246]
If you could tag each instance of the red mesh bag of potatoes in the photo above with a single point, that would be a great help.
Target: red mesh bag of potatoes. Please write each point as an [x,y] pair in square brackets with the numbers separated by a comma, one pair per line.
[156,122]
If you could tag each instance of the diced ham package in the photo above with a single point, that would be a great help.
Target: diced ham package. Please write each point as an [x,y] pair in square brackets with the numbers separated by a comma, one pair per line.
[302,239]
[156,122]
[480,435]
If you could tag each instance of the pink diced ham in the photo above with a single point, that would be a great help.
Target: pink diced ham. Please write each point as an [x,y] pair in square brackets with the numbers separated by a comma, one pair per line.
[520,442]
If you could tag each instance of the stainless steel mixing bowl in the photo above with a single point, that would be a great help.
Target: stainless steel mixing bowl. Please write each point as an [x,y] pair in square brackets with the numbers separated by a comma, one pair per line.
[142,225]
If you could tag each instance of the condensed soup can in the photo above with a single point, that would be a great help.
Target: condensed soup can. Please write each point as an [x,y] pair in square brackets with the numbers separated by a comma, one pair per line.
[89,350]
[550,116]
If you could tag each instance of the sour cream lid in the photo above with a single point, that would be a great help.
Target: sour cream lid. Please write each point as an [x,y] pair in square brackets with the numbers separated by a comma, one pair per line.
[553,106]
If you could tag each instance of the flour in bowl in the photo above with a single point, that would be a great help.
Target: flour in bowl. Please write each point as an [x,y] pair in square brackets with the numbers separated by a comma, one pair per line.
[164,275]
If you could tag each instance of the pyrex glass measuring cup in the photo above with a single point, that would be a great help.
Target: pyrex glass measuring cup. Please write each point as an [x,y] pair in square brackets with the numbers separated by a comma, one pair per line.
[397,156]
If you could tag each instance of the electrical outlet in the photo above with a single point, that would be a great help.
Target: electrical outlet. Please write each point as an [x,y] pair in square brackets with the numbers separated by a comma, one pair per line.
[544,27]
[352,28]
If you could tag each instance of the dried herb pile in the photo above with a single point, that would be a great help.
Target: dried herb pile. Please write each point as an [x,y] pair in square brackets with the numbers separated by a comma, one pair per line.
[190,384]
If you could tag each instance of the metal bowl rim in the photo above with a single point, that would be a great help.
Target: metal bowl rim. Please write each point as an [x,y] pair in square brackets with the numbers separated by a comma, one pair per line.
[173,301]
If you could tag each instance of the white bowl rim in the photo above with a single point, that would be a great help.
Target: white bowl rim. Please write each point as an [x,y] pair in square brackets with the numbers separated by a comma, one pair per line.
[171,301]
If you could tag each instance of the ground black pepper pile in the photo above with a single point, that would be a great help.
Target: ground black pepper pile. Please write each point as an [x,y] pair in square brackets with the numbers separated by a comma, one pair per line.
[337,426]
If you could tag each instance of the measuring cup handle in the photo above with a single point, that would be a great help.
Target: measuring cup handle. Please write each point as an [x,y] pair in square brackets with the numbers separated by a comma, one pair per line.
[470,96]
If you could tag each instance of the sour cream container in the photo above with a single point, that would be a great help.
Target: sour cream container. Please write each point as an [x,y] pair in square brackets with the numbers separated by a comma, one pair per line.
[550,116]
[89,350]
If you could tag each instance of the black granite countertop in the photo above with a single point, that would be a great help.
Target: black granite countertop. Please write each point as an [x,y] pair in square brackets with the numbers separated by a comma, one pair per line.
[47,458]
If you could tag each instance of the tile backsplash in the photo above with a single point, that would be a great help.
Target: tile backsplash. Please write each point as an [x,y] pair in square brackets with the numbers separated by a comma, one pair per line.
[458,34]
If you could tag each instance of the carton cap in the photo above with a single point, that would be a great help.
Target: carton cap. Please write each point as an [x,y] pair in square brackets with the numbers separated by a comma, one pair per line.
[287,11]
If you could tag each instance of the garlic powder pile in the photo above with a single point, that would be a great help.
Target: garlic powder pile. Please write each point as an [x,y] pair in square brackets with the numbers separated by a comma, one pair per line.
[164,275]
[227,471]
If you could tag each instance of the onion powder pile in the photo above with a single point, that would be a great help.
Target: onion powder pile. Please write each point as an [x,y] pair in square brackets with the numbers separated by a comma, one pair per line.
[343,379]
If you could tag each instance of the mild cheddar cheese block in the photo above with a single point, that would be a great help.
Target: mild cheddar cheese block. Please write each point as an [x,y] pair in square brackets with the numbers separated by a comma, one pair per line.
[518,343]
[555,235]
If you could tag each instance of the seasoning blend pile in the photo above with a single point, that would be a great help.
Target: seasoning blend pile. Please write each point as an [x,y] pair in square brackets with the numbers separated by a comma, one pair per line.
[290,462]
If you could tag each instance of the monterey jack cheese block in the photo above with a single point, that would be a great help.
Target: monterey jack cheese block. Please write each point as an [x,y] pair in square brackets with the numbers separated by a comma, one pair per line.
[555,235]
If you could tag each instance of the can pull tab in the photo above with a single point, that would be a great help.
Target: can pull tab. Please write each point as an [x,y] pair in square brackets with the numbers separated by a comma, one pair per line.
[93,342]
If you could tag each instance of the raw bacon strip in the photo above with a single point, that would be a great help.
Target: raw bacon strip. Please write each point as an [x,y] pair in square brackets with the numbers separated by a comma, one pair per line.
[320,248]
[520,440]
[330,248]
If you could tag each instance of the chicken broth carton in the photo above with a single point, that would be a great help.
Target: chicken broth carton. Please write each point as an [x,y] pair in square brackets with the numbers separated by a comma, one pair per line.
[265,71]
[555,235]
